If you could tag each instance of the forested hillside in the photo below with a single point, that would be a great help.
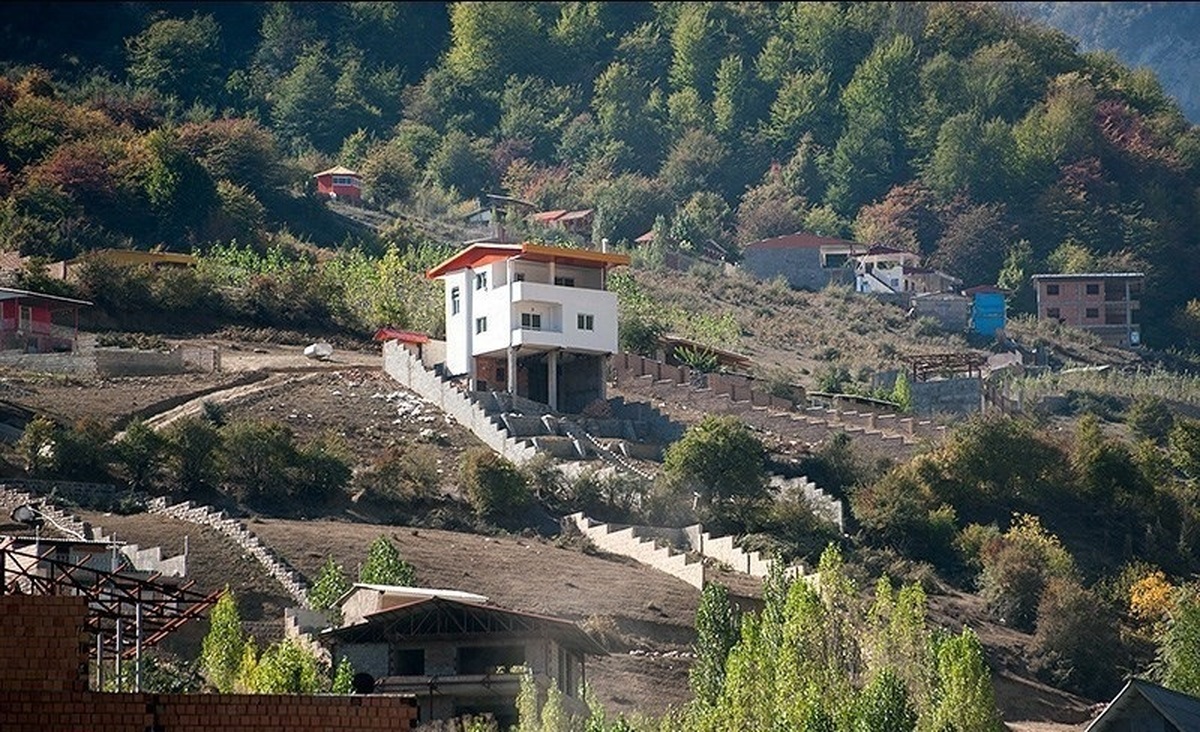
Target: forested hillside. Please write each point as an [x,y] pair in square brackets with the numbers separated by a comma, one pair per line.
[985,142]
[1160,36]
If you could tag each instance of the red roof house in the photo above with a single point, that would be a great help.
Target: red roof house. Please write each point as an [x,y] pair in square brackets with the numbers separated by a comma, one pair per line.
[27,321]
[339,182]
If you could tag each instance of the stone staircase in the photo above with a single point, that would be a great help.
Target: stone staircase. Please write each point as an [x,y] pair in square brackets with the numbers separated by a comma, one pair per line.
[674,391]
[514,427]
[822,504]
[150,560]
[276,566]
[654,547]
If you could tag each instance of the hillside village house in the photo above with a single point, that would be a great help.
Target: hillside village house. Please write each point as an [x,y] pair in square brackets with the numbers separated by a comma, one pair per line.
[455,651]
[806,261]
[1104,303]
[339,182]
[884,270]
[533,320]
[32,322]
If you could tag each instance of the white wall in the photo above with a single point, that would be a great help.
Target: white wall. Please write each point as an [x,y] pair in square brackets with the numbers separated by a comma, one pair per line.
[458,346]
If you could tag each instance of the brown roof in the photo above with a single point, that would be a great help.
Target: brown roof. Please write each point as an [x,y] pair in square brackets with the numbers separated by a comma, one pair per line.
[336,170]
[480,254]
[801,240]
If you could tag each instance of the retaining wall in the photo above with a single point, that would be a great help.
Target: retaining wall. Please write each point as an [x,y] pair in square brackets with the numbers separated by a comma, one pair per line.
[628,542]
[292,581]
[406,368]
[962,395]
[88,361]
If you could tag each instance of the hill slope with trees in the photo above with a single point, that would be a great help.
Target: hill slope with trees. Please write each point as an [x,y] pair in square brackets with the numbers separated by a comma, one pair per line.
[988,143]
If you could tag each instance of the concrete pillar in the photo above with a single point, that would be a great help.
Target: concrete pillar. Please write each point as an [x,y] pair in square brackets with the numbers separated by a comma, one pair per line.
[602,376]
[552,377]
[553,271]
[512,370]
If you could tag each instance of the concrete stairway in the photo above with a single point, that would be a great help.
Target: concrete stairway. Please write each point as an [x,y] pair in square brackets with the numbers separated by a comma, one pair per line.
[671,389]
[492,419]
[632,542]
[150,560]
[653,546]
[276,566]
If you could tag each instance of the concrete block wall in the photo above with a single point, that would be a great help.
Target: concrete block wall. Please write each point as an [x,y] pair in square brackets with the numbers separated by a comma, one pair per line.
[736,395]
[639,542]
[962,395]
[406,368]
[276,566]
[43,686]
[627,542]
[822,504]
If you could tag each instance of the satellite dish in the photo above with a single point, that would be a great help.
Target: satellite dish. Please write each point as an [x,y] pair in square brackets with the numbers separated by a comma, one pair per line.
[26,514]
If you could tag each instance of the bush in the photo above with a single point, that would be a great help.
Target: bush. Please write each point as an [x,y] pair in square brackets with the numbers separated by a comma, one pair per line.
[1016,569]
[192,448]
[901,512]
[1150,418]
[494,486]
[1077,639]
[401,476]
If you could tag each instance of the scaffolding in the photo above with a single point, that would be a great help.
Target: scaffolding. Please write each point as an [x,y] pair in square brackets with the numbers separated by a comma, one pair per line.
[126,614]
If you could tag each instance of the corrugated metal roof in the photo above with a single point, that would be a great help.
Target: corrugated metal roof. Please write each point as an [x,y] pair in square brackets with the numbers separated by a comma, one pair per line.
[1179,709]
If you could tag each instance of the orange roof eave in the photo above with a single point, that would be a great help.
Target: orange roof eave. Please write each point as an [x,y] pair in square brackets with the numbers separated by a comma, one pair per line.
[481,254]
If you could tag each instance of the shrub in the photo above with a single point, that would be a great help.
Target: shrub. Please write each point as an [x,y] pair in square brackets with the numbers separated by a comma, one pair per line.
[1077,638]
[494,486]
[1151,598]
[192,448]
[1016,568]
[1150,418]
[401,475]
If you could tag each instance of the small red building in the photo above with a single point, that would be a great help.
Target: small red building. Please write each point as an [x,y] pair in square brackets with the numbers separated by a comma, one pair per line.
[35,323]
[339,182]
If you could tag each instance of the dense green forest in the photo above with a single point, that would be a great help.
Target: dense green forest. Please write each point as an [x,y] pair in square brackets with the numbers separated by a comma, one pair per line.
[988,143]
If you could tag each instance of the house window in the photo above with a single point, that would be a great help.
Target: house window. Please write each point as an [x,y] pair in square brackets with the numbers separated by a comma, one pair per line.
[586,322]
[1093,289]
[343,180]
[481,281]
[564,281]
[480,325]
[836,260]
[455,301]
[518,276]
[1051,289]
[531,321]
[407,662]
[1092,313]
[1052,313]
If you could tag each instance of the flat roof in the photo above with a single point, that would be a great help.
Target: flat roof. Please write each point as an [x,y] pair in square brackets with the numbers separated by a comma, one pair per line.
[477,255]
[802,240]
[1089,276]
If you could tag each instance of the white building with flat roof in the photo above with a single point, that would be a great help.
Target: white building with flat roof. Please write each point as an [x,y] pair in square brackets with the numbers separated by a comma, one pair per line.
[533,320]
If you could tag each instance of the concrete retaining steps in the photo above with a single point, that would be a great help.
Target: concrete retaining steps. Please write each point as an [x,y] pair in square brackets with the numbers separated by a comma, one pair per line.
[642,543]
[887,434]
[822,504]
[478,413]
[276,566]
[150,560]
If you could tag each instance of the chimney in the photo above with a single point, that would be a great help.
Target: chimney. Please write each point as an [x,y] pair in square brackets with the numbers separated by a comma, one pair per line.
[604,244]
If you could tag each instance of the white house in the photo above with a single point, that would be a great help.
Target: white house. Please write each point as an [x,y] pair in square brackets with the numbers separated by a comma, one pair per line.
[885,270]
[532,320]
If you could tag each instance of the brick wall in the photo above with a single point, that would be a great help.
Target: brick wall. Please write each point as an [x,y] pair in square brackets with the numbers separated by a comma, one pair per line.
[43,686]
